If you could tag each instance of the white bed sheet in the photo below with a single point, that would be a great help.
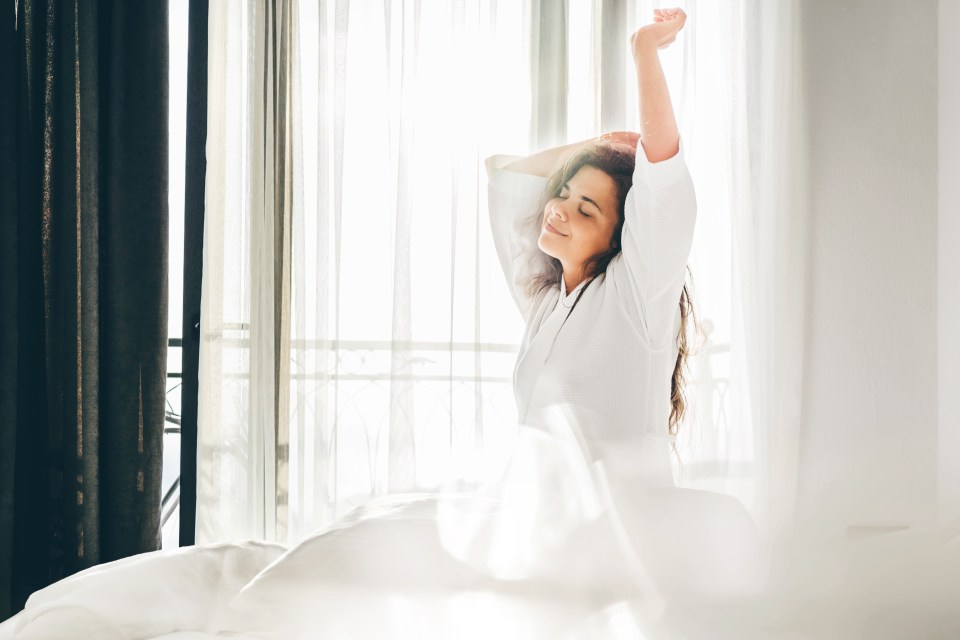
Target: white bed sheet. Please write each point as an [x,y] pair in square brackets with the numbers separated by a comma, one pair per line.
[552,549]
[903,585]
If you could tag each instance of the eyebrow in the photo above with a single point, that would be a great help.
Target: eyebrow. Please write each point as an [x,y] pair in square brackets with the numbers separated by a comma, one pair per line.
[566,185]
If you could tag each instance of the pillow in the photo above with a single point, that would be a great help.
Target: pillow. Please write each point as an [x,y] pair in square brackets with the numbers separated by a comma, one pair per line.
[146,595]
[387,565]
[389,544]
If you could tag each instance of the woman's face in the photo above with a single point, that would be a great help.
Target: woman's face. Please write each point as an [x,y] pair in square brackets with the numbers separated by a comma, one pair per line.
[584,216]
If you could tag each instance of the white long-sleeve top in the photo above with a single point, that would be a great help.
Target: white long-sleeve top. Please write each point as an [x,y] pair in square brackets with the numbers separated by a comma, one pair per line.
[611,361]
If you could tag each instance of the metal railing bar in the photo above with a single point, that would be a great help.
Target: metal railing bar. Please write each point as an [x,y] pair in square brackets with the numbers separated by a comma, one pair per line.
[173,507]
[387,345]
[382,377]
[169,494]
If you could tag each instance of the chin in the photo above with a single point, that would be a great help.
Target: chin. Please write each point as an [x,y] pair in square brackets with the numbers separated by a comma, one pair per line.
[545,249]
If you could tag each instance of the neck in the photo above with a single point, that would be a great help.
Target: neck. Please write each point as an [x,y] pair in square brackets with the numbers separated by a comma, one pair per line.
[572,281]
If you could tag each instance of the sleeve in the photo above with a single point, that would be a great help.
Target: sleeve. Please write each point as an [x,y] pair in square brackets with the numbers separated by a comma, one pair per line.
[513,199]
[659,216]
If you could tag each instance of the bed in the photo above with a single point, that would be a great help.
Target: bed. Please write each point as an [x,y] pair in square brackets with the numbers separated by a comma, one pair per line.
[565,552]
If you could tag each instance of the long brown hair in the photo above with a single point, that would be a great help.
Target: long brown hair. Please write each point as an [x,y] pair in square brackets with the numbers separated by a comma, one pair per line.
[618,161]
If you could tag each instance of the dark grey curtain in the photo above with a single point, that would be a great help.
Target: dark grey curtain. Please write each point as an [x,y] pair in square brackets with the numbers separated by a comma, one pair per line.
[83,286]
[193,213]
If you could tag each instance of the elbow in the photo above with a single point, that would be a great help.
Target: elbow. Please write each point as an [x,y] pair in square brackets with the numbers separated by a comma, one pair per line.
[661,151]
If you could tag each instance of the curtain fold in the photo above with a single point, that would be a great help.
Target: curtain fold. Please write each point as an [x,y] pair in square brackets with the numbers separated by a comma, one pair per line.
[84,273]
[771,231]
[356,333]
[549,72]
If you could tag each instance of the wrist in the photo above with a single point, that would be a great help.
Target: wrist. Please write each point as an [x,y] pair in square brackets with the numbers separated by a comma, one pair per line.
[643,46]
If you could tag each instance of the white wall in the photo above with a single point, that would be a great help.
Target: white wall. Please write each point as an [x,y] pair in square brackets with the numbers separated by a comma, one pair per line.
[948,267]
[869,446]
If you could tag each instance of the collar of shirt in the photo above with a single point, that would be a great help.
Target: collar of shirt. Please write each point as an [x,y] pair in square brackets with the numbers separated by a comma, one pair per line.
[567,300]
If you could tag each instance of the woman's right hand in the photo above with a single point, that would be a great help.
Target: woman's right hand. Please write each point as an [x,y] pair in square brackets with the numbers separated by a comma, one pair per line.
[666,24]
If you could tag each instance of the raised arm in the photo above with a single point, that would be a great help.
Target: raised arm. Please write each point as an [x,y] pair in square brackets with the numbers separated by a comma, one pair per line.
[547,162]
[659,135]
[660,210]
[544,163]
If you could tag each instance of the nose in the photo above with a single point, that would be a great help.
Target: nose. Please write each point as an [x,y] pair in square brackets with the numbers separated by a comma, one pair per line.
[558,211]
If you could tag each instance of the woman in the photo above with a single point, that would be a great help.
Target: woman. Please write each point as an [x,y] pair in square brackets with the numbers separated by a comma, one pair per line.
[547,547]
[614,226]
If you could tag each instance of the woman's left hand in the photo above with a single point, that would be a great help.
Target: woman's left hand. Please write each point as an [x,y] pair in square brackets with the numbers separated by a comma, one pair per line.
[666,24]
[630,138]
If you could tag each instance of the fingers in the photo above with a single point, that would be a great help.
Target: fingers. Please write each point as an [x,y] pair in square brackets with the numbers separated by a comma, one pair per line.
[659,15]
[676,15]
[628,138]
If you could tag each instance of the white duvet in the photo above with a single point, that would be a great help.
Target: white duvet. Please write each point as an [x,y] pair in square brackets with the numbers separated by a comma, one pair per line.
[551,548]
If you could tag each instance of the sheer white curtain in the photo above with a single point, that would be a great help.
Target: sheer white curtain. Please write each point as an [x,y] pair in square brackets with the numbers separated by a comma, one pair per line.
[771,237]
[740,108]
[357,333]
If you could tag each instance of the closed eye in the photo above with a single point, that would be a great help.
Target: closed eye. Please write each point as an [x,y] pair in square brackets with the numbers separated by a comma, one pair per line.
[564,197]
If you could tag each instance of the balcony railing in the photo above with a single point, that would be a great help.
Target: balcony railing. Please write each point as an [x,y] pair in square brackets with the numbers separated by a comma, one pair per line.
[370,361]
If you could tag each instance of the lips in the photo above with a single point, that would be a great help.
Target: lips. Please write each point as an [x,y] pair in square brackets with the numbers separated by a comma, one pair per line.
[550,228]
